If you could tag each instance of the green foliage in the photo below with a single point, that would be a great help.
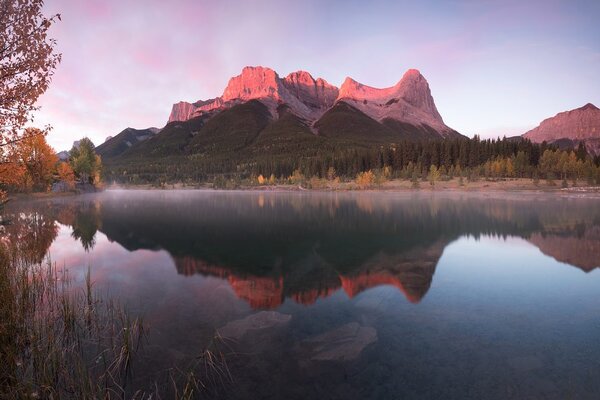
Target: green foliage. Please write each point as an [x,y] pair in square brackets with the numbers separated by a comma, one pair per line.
[84,161]
[230,130]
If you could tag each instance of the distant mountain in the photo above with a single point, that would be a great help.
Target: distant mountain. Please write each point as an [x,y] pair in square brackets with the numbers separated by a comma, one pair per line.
[408,102]
[262,115]
[569,128]
[117,145]
[63,155]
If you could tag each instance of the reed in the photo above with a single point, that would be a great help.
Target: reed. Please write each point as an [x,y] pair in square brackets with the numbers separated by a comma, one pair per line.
[58,341]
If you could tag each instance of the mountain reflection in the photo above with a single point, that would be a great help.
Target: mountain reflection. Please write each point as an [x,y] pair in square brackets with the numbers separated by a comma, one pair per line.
[276,246]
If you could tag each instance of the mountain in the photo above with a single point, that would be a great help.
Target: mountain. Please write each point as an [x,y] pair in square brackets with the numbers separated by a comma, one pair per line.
[263,122]
[63,155]
[569,128]
[117,145]
[409,102]
[307,97]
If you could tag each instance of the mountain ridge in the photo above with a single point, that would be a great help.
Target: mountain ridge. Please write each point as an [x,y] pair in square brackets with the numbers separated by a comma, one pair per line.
[408,101]
[579,125]
[261,115]
[120,143]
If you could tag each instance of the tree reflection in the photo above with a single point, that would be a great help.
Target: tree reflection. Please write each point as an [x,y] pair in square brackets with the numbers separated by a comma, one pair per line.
[30,234]
[84,230]
[84,219]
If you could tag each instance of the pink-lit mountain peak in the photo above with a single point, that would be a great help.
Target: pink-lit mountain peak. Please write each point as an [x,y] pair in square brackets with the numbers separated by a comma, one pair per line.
[409,100]
[300,77]
[589,106]
[253,83]
[578,125]
[412,88]
[354,89]
[306,97]
[317,94]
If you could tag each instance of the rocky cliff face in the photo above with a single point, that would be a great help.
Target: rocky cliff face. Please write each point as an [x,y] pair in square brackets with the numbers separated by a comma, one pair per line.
[409,101]
[306,97]
[181,111]
[184,111]
[578,125]
[316,94]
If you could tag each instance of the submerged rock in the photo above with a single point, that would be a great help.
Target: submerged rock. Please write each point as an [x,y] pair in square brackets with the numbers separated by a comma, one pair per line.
[340,344]
[525,363]
[258,322]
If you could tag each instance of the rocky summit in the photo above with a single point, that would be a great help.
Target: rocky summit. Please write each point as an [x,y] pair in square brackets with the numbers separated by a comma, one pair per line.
[569,128]
[261,115]
[409,101]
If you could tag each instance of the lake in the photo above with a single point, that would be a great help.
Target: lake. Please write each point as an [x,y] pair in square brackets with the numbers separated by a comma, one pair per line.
[361,295]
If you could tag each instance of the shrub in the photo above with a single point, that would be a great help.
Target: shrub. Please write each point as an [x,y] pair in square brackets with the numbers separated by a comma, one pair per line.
[365,179]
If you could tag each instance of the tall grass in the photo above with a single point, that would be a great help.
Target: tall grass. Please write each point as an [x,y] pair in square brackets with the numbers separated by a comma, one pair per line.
[58,341]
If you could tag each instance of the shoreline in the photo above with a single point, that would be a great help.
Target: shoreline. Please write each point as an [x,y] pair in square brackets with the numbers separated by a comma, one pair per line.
[397,185]
[517,185]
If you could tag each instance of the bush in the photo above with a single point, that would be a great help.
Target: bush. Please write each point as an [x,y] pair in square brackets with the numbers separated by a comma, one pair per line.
[220,182]
[297,178]
[365,179]
[415,180]
[434,175]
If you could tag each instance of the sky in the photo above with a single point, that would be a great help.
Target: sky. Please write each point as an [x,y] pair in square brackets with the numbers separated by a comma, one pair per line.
[495,68]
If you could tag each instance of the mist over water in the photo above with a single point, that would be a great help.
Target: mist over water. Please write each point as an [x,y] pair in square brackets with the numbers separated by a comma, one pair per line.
[345,295]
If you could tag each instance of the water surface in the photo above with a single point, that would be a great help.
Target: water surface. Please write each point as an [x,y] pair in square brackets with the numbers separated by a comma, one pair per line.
[346,295]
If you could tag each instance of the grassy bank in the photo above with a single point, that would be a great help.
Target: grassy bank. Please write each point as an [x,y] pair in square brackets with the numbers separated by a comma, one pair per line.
[58,341]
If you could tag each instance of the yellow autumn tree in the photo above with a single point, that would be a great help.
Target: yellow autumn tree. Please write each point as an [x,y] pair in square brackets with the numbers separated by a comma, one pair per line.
[65,174]
[434,175]
[297,177]
[38,159]
[365,179]
[12,173]
[28,164]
